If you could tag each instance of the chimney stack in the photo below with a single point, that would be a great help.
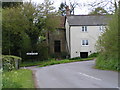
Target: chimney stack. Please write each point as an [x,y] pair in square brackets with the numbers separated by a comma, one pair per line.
[67,11]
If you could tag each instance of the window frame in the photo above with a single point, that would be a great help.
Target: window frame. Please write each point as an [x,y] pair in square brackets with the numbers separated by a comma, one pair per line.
[85,42]
[102,28]
[84,29]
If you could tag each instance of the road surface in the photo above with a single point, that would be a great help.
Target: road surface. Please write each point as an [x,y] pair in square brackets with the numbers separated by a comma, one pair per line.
[75,75]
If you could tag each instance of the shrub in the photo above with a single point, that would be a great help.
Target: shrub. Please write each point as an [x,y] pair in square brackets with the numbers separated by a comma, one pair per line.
[107,45]
[42,49]
[93,55]
[10,62]
[53,55]
[64,55]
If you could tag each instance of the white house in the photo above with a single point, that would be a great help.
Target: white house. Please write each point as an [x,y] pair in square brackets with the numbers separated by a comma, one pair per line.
[82,32]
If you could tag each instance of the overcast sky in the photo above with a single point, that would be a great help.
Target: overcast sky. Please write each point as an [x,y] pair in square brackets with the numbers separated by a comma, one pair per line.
[81,9]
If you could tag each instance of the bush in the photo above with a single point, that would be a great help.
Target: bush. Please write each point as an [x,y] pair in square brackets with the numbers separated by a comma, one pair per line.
[53,55]
[107,45]
[93,55]
[42,49]
[10,62]
[64,55]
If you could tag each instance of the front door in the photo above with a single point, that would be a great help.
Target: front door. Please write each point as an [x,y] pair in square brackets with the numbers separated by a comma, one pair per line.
[57,46]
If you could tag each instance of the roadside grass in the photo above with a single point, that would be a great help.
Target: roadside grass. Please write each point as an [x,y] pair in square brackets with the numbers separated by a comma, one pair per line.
[53,61]
[107,64]
[18,79]
[31,63]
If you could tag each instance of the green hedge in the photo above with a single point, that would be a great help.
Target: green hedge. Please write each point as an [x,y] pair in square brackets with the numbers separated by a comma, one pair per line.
[10,62]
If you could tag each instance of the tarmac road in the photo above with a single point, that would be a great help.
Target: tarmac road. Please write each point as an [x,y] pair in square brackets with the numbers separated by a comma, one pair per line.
[75,75]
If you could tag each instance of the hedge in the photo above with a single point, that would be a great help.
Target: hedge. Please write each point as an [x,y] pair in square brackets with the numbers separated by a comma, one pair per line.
[10,62]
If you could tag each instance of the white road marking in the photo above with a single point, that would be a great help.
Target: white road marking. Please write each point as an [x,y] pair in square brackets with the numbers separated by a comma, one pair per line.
[90,76]
[24,67]
[118,88]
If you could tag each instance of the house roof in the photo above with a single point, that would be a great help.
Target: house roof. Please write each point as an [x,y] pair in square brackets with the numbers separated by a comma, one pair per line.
[92,20]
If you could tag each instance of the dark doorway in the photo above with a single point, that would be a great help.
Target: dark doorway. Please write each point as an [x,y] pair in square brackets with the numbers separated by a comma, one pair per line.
[57,46]
[83,54]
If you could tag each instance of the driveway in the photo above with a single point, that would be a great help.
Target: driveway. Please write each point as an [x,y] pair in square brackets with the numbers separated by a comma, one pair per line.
[75,75]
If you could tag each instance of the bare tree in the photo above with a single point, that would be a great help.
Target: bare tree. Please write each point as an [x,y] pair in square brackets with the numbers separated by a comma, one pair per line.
[109,5]
[73,5]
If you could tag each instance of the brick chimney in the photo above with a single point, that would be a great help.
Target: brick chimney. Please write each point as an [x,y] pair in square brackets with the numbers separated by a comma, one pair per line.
[67,11]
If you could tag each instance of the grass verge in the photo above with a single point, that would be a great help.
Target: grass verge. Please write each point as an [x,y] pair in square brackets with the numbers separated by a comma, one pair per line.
[18,79]
[104,63]
[52,62]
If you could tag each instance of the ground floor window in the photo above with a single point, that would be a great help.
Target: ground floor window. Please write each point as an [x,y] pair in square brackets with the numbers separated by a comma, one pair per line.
[57,46]
[84,42]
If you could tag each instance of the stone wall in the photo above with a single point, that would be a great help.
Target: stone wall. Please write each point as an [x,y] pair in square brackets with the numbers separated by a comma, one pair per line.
[59,34]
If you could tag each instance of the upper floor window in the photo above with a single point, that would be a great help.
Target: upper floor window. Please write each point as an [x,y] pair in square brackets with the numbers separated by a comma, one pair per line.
[84,28]
[102,28]
[85,42]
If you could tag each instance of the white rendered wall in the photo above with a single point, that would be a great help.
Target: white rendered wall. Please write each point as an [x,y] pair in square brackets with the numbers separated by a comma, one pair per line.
[67,34]
[77,35]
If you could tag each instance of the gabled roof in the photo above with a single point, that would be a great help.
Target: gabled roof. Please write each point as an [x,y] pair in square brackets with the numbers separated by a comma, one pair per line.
[90,20]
